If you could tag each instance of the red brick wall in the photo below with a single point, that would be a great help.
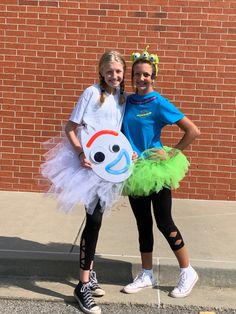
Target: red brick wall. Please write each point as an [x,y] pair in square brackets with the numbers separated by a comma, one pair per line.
[48,55]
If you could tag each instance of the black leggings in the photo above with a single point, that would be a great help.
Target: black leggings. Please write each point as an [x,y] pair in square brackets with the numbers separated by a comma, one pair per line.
[162,203]
[89,237]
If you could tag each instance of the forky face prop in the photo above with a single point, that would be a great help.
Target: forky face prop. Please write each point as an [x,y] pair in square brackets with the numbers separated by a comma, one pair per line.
[110,154]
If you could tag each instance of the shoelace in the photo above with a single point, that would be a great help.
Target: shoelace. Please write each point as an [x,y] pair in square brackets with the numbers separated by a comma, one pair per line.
[92,276]
[182,280]
[137,279]
[87,296]
[93,280]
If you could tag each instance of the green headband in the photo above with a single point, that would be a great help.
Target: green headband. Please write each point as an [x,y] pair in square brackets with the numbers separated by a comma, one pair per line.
[153,58]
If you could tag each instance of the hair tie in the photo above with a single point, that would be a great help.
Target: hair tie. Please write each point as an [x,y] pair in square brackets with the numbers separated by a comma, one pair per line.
[81,153]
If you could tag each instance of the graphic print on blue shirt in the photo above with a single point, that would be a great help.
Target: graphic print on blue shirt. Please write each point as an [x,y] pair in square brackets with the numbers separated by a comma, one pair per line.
[144,113]
[144,118]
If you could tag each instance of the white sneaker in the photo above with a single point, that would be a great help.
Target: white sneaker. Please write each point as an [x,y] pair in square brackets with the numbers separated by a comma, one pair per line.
[143,280]
[187,279]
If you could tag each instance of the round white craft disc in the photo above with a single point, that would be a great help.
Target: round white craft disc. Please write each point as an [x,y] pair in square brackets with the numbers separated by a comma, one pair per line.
[109,152]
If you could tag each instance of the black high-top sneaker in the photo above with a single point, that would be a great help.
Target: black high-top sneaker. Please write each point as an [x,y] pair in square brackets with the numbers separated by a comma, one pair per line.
[95,288]
[83,296]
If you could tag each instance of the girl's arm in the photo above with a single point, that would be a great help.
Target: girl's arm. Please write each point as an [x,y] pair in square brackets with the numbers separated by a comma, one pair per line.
[191,131]
[70,130]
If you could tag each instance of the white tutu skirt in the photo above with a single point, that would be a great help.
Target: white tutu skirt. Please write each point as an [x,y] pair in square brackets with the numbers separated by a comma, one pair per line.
[73,184]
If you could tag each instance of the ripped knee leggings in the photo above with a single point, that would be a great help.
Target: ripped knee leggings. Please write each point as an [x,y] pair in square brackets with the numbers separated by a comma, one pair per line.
[162,204]
[89,238]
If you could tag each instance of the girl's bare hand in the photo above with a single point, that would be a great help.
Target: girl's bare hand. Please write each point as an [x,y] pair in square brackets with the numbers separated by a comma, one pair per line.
[134,156]
[85,162]
[156,154]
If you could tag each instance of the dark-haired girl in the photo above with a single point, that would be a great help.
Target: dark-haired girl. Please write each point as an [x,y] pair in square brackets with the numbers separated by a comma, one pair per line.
[157,170]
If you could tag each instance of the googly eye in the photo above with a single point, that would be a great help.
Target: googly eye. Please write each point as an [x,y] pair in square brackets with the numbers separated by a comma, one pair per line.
[136,55]
[98,155]
[152,58]
[114,148]
[145,55]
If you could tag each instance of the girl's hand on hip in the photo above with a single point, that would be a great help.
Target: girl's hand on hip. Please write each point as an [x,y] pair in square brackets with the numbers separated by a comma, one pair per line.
[173,152]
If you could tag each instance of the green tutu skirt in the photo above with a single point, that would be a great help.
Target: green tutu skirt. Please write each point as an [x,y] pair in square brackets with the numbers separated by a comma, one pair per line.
[155,169]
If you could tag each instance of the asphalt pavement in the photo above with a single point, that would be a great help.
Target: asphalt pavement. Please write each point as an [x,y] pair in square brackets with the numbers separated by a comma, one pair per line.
[39,252]
[9,306]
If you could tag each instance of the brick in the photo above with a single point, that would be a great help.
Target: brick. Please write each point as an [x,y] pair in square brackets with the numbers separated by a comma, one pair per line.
[110,6]
[49,3]
[49,51]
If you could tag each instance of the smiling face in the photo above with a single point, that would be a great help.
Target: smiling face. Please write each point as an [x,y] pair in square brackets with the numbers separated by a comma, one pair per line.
[113,74]
[142,74]
[109,153]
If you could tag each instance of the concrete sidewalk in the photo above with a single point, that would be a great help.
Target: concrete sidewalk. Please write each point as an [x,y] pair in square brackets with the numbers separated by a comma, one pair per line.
[39,251]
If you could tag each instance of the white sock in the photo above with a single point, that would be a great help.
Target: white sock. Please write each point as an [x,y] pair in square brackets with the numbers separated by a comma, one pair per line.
[148,271]
[186,268]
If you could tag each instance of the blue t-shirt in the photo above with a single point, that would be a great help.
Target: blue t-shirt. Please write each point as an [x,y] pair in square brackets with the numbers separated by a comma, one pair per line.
[144,118]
